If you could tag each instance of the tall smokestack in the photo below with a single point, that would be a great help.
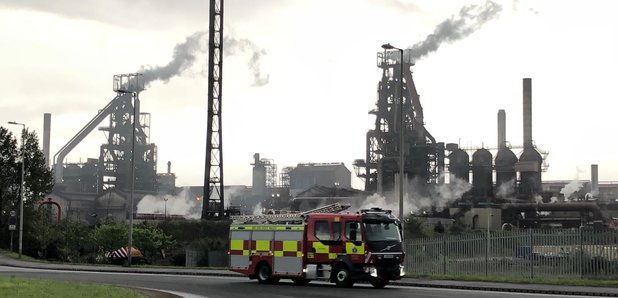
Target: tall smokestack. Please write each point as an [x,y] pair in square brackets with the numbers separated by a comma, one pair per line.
[501,129]
[527,112]
[594,180]
[46,134]
[169,167]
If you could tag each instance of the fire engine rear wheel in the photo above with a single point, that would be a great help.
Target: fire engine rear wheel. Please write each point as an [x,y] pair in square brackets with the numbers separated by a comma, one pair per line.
[379,283]
[342,277]
[264,274]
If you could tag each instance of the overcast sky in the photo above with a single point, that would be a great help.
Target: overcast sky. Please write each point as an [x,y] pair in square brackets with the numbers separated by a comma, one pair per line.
[302,76]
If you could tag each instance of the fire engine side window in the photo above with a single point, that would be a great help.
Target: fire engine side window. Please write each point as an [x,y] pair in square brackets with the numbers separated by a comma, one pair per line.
[336,231]
[352,231]
[321,230]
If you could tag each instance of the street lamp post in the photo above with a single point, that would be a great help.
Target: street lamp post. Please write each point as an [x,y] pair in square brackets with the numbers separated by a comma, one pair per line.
[21,188]
[132,174]
[165,210]
[388,46]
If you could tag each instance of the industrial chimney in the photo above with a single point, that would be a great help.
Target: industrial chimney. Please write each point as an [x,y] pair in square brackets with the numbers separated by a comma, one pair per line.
[594,180]
[527,113]
[46,135]
[501,129]
[530,160]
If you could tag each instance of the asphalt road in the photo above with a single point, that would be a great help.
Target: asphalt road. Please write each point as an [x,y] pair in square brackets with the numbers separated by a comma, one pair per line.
[191,286]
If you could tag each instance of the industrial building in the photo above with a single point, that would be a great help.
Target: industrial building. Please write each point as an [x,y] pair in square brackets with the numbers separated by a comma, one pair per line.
[503,187]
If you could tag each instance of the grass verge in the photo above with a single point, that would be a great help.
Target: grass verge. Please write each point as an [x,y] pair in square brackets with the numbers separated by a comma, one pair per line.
[21,287]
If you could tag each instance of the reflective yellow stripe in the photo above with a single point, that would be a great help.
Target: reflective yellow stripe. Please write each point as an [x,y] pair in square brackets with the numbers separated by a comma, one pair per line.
[350,248]
[290,245]
[245,252]
[332,256]
[236,244]
[320,248]
[262,245]
[298,254]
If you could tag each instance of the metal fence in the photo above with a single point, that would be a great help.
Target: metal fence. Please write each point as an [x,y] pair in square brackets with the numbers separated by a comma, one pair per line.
[532,253]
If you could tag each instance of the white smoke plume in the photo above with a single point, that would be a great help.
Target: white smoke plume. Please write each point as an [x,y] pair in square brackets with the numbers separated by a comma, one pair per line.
[258,210]
[183,204]
[438,196]
[445,194]
[574,186]
[571,188]
[469,19]
[186,53]
[506,190]
[232,45]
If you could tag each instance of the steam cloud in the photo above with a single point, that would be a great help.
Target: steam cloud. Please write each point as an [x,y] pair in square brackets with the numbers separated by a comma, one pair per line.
[439,196]
[506,190]
[187,52]
[571,188]
[183,204]
[470,19]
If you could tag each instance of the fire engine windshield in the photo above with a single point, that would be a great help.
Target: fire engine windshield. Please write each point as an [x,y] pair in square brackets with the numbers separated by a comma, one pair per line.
[382,231]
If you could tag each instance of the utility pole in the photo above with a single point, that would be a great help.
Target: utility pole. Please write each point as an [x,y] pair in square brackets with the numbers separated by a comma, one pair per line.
[21,188]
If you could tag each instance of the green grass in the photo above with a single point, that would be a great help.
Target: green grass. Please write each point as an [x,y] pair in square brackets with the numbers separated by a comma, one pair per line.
[19,287]
[521,280]
[15,255]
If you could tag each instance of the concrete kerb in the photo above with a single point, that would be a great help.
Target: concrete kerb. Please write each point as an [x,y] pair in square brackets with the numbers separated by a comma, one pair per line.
[507,287]
[408,282]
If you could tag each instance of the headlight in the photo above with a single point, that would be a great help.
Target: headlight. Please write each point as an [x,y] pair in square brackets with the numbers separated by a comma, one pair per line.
[373,271]
[402,272]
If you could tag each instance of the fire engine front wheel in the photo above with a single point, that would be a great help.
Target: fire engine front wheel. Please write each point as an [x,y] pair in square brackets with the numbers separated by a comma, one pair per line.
[264,274]
[342,277]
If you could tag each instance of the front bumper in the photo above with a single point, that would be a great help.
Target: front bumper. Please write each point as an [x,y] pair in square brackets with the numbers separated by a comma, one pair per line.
[385,272]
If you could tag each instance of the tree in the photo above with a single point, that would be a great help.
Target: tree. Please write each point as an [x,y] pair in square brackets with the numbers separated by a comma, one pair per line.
[37,177]
[76,239]
[414,228]
[9,179]
[111,236]
[151,240]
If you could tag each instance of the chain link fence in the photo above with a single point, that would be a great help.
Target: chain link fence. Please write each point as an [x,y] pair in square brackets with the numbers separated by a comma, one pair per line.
[532,253]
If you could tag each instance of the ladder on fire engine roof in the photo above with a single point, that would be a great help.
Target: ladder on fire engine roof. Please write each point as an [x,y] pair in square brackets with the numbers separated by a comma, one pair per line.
[289,217]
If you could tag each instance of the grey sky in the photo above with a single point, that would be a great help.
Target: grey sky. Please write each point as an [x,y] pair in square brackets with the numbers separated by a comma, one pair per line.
[319,59]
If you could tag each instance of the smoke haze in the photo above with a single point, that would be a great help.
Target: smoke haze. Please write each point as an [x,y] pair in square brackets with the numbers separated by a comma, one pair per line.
[438,196]
[571,188]
[186,53]
[469,19]
[183,204]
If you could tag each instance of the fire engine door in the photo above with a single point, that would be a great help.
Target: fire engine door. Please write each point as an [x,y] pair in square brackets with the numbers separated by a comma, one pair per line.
[354,245]
[326,242]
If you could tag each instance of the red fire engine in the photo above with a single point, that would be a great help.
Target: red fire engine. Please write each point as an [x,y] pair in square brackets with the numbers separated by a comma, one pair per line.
[321,244]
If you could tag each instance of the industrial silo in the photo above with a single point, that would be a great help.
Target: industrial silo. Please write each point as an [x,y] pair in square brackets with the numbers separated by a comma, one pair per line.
[482,182]
[506,176]
[459,165]
[529,167]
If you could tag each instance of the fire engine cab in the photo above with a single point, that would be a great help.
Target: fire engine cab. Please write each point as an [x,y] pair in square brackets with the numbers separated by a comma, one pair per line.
[321,244]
